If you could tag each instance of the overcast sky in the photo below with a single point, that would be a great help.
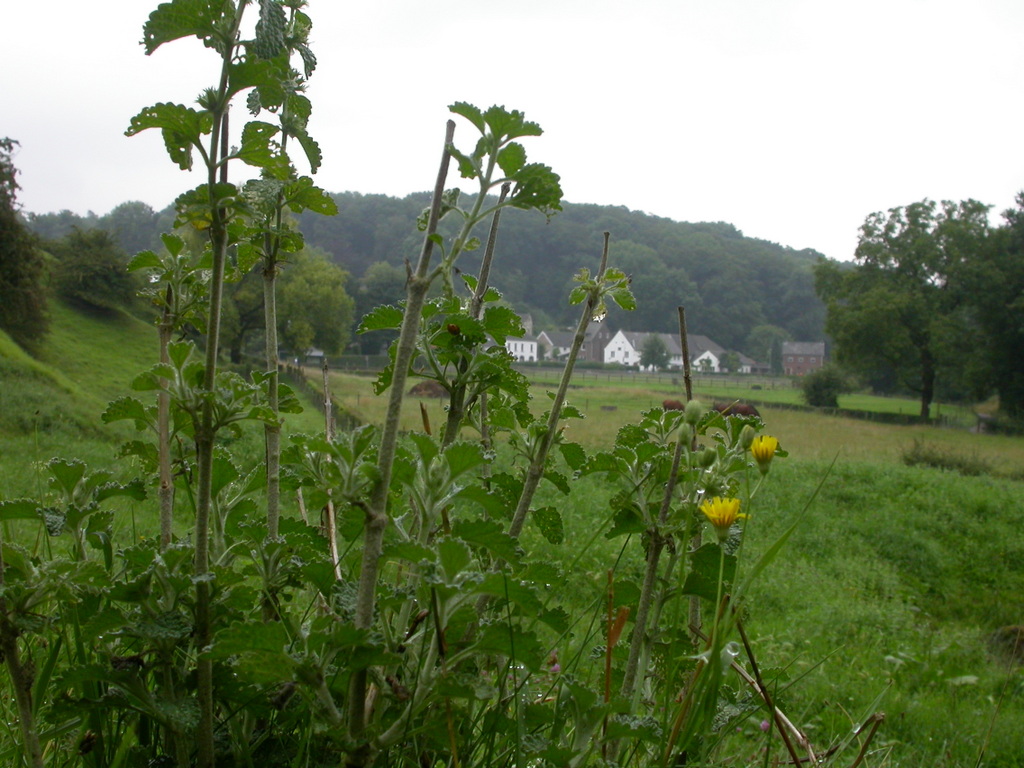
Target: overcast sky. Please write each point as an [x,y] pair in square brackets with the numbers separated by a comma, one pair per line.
[791,119]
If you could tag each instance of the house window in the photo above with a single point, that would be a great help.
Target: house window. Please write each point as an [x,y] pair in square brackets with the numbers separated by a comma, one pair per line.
[789,359]
[800,360]
[814,360]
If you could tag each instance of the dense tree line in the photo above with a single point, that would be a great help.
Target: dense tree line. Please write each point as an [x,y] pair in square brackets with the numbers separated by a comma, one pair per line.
[729,283]
[933,304]
[744,293]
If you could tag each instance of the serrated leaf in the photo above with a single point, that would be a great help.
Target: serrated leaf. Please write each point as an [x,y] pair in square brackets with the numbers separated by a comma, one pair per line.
[314,155]
[144,260]
[461,457]
[574,455]
[302,195]
[512,158]
[258,146]
[182,128]
[471,113]
[127,408]
[270,30]
[488,535]
[19,509]
[626,520]
[383,318]
[501,322]
[455,556]
[549,522]
[182,18]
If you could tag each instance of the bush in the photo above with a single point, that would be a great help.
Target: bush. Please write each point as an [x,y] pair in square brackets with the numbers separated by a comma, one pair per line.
[822,388]
[921,454]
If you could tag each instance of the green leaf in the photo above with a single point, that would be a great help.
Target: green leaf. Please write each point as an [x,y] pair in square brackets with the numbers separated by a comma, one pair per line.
[127,408]
[501,322]
[314,155]
[455,556]
[383,318]
[512,642]
[182,128]
[19,509]
[702,580]
[471,113]
[537,187]
[549,522]
[258,147]
[574,455]
[462,456]
[510,124]
[270,30]
[627,519]
[512,158]
[182,18]
[489,535]
[66,473]
[301,195]
[144,260]
[134,489]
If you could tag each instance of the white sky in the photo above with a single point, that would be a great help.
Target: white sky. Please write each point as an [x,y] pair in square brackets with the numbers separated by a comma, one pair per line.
[791,119]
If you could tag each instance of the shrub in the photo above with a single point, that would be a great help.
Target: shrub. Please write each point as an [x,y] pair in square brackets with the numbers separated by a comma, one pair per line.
[922,454]
[822,387]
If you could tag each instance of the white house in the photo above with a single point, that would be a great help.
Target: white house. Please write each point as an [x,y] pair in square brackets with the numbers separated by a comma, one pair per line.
[626,348]
[523,350]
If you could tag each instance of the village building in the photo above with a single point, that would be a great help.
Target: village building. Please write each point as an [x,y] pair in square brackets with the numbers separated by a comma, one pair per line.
[523,350]
[801,357]
[626,348]
[558,343]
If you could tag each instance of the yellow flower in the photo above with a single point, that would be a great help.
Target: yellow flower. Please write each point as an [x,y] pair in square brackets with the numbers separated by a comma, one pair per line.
[763,449]
[722,513]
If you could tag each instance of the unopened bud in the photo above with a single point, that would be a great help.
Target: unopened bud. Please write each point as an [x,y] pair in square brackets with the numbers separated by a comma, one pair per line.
[747,435]
[695,411]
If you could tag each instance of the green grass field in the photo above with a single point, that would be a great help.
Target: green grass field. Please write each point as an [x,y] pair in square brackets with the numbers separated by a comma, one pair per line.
[892,585]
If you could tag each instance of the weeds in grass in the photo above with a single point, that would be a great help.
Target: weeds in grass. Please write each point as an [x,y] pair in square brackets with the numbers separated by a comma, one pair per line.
[921,453]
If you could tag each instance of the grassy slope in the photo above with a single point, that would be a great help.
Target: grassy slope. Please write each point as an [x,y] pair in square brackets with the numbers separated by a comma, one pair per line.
[51,405]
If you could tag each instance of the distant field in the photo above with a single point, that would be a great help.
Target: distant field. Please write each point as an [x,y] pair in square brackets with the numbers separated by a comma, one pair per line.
[610,404]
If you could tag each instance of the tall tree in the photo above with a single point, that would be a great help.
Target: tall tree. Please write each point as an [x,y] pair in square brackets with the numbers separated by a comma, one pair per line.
[22,269]
[93,269]
[313,307]
[994,288]
[887,314]
[654,354]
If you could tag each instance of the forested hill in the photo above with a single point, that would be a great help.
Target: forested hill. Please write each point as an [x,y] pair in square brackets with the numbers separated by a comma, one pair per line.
[732,286]
[729,284]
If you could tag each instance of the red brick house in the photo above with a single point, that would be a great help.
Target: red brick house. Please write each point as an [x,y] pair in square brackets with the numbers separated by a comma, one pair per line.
[802,357]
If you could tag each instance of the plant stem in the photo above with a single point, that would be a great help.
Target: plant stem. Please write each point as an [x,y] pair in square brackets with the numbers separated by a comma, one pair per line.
[457,402]
[205,431]
[21,676]
[376,512]
[657,541]
[536,470]
[163,420]
[696,539]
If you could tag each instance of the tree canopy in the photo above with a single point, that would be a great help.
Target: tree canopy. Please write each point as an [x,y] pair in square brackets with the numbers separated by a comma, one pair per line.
[22,269]
[893,313]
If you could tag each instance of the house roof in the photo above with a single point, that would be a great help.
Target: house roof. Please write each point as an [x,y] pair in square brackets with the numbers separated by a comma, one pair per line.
[803,348]
[559,338]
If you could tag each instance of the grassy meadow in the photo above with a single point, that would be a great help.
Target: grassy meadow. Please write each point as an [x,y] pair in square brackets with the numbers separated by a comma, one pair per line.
[886,598]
